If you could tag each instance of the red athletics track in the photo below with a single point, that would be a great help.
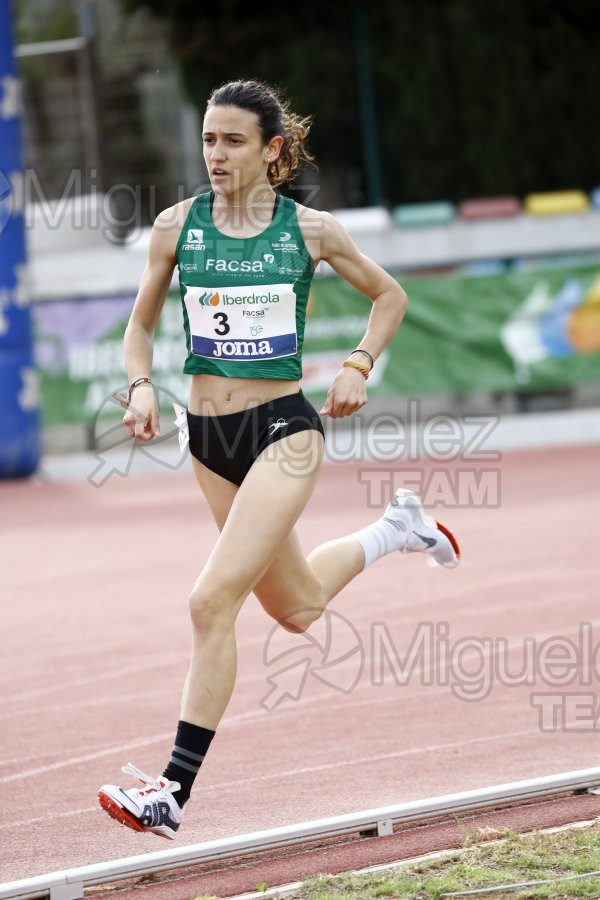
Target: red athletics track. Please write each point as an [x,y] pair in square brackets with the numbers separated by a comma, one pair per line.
[95,647]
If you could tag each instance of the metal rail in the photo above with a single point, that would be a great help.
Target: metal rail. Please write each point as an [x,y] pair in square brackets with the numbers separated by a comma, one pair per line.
[69,884]
[41,48]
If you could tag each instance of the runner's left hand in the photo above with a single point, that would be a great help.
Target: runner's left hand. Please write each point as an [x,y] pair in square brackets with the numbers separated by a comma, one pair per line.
[346,395]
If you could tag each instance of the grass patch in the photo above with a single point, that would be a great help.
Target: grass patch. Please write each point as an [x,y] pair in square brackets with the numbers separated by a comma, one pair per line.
[481,864]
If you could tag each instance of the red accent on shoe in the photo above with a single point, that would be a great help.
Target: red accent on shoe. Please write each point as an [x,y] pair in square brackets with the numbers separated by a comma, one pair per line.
[117,812]
[450,537]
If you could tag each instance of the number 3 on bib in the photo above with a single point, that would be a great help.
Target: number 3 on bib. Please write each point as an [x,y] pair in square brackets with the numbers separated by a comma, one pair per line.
[223,328]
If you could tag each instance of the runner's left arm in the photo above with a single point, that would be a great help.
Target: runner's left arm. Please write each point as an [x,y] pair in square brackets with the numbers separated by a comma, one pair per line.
[347,393]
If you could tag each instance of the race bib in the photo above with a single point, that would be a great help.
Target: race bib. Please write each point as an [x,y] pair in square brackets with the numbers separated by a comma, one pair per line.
[242,324]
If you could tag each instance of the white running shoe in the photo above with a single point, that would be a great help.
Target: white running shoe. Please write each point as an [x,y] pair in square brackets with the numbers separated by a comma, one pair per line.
[152,808]
[425,535]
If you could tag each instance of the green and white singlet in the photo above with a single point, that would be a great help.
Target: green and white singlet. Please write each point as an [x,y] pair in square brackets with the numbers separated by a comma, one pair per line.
[244,299]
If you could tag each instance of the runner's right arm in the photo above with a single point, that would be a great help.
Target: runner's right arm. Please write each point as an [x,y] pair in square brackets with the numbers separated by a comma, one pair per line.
[142,418]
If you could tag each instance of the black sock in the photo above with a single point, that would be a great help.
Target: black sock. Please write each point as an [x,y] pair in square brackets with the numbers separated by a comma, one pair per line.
[191,746]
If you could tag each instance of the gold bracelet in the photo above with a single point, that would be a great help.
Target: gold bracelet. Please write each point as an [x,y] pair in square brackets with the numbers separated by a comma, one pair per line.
[366,352]
[350,364]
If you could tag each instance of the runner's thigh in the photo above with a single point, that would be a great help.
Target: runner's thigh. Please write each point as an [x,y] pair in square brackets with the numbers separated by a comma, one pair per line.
[263,511]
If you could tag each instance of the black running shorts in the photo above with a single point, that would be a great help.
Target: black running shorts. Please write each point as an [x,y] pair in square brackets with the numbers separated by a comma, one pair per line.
[228,445]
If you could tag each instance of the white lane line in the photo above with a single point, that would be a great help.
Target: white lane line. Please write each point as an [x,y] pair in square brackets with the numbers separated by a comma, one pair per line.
[88,757]
[361,761]
[50,815]
[143,742]
[247,718]
[223,786]
[87,703]
[514,643]
[94,679]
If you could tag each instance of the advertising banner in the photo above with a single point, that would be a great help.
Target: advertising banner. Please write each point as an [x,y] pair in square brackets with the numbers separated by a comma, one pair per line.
[19,422]
[507,332]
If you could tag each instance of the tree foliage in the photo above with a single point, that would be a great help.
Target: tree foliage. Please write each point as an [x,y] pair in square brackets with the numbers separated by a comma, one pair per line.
[472,97]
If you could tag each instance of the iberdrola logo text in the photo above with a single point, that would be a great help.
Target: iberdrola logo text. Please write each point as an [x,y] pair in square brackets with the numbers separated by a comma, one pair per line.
[230,299]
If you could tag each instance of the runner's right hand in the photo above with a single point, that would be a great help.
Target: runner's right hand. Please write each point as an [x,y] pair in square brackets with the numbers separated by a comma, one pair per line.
[142,418]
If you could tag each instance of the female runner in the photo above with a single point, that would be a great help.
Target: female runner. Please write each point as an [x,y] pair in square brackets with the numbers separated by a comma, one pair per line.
[246,257]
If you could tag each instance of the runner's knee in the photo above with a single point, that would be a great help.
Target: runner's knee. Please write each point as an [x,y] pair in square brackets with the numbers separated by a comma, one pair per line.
[213,606]
[300,621]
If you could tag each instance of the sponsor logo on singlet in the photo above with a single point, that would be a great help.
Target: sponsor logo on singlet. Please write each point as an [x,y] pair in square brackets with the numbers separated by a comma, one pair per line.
[242,349]
[254,298]
[285,243]
[194,240]
[234,265]
[213,298]
[210,298]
